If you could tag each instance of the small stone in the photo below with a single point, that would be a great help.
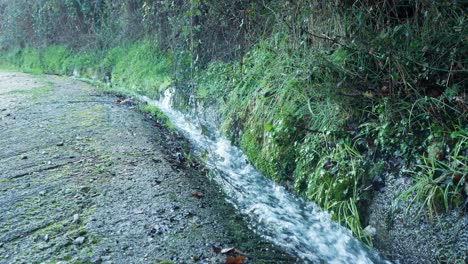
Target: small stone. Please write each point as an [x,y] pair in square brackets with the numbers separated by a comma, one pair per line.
[42,193]
[96,259]
[79,240]
[24,157]
[370,231]
[46,237]
[4,109]
[76,219]
[378,184]
[85,189]
[60,144]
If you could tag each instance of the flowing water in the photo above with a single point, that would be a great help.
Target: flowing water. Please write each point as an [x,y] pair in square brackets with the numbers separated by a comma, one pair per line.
[298,226]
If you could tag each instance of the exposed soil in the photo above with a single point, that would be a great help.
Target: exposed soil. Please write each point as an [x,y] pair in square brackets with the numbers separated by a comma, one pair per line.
[83,179]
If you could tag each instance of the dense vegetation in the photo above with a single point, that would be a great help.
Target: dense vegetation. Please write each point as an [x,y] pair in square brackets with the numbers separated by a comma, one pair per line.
[324,96]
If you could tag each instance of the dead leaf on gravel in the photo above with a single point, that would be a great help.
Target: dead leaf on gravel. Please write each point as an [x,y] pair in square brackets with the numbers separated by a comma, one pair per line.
[235,260]
[197,195]
[120,101]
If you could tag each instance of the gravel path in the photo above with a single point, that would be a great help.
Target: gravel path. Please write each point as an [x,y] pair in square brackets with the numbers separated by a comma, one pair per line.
[86,180]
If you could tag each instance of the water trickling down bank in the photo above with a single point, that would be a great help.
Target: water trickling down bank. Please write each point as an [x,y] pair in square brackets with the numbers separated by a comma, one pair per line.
[300,227]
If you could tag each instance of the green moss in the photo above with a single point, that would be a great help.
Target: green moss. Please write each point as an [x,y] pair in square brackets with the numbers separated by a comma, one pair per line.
[34,92]
[156,114]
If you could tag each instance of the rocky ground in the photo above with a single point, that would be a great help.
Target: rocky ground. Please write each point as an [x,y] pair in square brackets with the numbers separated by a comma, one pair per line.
[84,179]
[405,235]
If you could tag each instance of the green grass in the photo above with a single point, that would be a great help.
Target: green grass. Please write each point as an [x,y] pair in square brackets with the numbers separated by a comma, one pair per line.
[288,118]
[290,113]
[438,183]
[156,114]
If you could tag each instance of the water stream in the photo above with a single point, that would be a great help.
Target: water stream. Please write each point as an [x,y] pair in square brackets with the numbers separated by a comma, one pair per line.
[298,226]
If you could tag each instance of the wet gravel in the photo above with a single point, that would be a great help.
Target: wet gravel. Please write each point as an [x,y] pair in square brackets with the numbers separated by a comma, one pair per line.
[86,180]
[405,235]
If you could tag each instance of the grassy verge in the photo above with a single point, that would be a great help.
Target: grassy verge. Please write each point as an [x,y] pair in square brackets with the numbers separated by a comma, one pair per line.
[127,69]
[300,124]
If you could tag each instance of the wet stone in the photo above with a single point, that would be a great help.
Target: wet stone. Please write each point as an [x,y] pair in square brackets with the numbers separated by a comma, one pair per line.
[79,240]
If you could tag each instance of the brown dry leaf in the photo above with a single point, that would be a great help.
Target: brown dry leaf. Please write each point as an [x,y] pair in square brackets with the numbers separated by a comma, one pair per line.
[235,260]
[197,195]
[120,101]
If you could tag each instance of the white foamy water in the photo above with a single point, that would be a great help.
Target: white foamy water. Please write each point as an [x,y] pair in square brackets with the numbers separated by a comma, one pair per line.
[298,226]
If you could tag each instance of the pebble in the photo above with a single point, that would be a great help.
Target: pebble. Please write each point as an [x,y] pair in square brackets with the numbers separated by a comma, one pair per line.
[76,219]
[370,231]
[24,157]
[79,240]
[85,189]
[42,193]
[60,144]
[46,237]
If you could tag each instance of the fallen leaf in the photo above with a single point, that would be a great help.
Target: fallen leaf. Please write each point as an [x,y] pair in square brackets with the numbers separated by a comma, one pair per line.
[120,101]
[235,260]
[197,195]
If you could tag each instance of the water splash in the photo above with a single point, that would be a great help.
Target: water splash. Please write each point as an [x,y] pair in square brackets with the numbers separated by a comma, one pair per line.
[298,226]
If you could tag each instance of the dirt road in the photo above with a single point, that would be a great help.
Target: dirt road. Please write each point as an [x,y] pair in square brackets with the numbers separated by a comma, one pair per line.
[86,180]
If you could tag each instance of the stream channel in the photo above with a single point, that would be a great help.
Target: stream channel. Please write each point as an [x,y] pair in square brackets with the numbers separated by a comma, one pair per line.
[298,226]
